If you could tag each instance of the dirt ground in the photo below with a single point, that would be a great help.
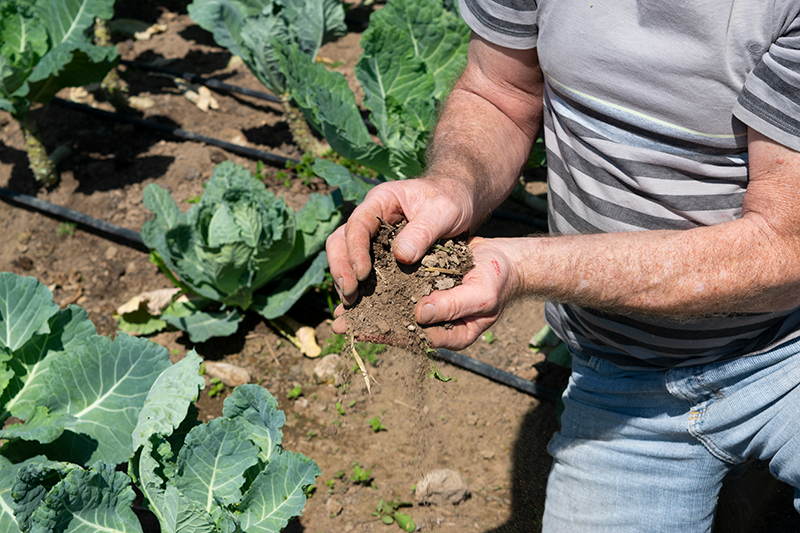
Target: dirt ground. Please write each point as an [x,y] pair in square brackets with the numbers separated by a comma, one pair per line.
[491,434]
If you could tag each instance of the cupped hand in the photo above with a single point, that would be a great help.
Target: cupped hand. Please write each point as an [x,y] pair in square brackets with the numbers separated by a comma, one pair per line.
[476,304]
[434,208]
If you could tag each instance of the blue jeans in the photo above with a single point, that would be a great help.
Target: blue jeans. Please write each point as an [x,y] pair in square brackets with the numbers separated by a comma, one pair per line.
[646,451]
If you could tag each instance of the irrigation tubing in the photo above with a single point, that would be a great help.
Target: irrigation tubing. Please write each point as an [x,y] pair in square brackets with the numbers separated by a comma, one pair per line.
[215,84]
[248,152]
[104,229]
[208,82]
[178,132]
[131,238]
[497,375]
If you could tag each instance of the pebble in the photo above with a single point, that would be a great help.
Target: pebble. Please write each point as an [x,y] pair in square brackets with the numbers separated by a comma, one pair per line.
[440,487]
[229,374]
[333,507]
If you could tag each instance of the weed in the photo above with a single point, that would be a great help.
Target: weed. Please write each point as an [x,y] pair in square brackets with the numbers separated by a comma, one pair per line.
[340,408]
[311,434]
[193,199]
[489,337]
[295,393]
[66,229]
[376,425]
[216,388]
[360,475]
[388,512]
[367,350]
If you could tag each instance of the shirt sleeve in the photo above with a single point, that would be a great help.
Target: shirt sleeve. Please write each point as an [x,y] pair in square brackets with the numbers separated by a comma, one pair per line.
[770,99]
[508,23]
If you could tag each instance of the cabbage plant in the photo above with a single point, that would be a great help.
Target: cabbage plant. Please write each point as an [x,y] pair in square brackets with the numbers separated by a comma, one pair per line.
[238,238]
[76,404]
[44,47]
[251,29]
[412,52]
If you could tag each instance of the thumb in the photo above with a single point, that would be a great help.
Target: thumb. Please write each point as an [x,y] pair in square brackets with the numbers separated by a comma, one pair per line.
[414,240]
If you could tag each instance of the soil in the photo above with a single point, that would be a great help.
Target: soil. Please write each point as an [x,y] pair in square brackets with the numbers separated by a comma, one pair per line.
[385,307]
[492,435]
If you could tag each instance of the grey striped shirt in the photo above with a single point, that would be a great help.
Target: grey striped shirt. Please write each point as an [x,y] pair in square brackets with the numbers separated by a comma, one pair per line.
[647,106]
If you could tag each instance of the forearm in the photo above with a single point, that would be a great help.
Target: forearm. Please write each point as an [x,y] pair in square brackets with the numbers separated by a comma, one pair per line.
[736,267]
[488,125]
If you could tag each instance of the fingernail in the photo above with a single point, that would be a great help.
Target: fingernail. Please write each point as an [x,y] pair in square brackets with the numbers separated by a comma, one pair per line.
[339,282]
[427,314]
[355,269]
[406,249]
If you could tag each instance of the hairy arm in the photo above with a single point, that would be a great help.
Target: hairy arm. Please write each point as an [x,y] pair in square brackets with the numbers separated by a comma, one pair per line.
[747,265]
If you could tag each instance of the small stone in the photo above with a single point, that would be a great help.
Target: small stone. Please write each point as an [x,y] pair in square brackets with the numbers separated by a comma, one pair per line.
[445,283]
[193,173]
[487,454]
[429,261]
[441,487]
[230,375]
[471,419]
[327,368]
[411,327]
[218,156]
[111,253]
[333,507]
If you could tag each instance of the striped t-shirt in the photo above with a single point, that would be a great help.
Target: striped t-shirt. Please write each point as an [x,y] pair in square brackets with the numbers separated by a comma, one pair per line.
[647,104]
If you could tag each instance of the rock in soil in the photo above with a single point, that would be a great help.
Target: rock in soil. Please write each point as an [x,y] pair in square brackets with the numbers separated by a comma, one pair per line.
[441,487]
[384,311]
[230,375]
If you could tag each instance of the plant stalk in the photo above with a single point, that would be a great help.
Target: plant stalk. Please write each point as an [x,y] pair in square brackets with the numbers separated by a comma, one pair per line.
[115,90]
[301,131]
[43,168]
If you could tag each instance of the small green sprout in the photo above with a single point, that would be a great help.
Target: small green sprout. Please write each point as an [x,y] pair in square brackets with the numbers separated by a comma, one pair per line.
[216,388]
[376,425]
[295,393]
[66,229]
[389,514]
[339,408]
[360,475]
[489,337]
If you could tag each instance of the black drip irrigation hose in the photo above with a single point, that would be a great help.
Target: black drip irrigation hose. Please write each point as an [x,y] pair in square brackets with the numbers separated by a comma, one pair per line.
[100,227]
[248,152]
[497,375]
[215,84]
[178,132]
[208,82]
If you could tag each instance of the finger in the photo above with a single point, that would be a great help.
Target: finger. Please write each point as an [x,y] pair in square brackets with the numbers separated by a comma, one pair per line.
[467,300]
[344,276]
[461,335]
[436,219]
[339,326]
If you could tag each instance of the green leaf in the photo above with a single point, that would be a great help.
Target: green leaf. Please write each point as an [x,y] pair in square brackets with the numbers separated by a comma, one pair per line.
[289,291]
[8,476]
[257,410]
[41,427]
[88,501]
[25,309]
[405,521]
[68,329]
[213,461]
[353,188]
[175,513]
[67,20]
[169,398]
[139,322]
[277,494]
[202,325]
[69,65]
[104,384]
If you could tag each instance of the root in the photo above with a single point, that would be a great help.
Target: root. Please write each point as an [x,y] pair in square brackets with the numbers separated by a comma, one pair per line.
[361,365]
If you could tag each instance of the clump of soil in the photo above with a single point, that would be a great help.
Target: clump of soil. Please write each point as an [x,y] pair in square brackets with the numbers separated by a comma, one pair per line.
[384,311]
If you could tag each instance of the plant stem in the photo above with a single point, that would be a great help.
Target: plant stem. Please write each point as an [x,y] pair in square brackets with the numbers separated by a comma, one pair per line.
[301,131]
[116,91]
[43,168]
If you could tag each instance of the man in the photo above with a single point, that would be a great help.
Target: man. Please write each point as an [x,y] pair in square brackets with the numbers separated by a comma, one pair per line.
[673,269]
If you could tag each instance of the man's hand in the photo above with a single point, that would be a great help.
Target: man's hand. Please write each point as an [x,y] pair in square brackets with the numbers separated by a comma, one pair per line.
[433,208]
[475,304]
